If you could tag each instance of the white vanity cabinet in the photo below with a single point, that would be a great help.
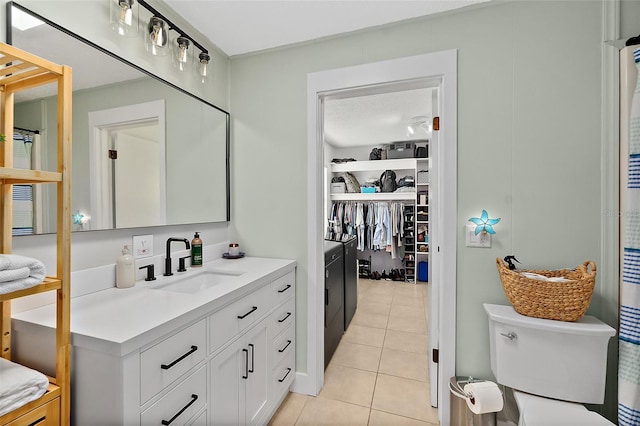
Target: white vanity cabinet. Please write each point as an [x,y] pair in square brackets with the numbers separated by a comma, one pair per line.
[222,357]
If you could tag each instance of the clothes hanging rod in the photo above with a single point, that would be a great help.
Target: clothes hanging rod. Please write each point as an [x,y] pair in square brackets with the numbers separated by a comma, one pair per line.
[35,132]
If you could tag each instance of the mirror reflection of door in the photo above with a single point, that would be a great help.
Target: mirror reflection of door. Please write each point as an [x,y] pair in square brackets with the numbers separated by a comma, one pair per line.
[128,166]
[136,174]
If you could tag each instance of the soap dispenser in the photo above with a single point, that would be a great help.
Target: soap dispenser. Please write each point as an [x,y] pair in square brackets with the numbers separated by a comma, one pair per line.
[125,269]
[196,251]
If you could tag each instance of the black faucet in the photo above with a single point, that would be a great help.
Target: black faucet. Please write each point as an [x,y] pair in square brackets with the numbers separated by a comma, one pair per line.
[167,260]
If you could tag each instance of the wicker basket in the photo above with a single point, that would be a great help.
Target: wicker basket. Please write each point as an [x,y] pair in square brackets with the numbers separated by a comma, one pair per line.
[564,301]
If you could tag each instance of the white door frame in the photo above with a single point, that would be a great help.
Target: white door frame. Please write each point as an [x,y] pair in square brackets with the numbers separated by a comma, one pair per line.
[99,124]
[440,65]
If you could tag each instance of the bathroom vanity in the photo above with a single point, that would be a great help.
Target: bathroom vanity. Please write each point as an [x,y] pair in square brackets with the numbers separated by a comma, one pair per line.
[214,345]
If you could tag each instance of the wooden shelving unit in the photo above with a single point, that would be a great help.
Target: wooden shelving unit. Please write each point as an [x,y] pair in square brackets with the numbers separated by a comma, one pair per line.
[19,71]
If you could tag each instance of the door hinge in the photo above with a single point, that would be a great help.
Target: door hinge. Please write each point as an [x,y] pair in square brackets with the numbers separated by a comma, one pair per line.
[436,123]
[113,154]
[435,355]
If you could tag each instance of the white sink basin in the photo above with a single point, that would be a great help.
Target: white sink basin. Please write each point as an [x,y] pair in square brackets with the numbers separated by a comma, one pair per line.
[195,282]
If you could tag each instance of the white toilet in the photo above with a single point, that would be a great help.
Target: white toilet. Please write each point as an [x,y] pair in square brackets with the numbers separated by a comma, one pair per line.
[553,367]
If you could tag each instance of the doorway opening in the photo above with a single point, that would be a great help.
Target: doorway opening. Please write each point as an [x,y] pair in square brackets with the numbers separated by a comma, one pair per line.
[127,192]
[440,67]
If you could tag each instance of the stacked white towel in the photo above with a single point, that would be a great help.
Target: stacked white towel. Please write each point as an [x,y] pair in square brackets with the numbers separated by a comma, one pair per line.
[19,385]
[19,272]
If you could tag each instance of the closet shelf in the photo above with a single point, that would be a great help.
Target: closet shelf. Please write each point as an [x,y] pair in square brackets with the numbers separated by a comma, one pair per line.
[49,284]
[378,196]
[364,166]
[25,176]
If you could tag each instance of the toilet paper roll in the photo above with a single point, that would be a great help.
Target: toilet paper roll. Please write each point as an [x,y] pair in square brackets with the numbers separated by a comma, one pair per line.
[483,397]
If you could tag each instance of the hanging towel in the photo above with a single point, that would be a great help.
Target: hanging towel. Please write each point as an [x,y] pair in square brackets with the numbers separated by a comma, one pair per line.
[19,385]
[19,272]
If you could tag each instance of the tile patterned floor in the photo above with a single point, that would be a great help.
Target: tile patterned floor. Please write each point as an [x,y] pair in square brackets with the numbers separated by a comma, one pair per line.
[379,372]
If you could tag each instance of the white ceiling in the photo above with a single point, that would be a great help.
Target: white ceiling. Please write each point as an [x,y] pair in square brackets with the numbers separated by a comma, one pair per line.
[374,119]
[243,26]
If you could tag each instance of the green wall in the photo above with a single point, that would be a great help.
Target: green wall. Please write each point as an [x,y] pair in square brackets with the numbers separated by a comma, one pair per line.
[529,145]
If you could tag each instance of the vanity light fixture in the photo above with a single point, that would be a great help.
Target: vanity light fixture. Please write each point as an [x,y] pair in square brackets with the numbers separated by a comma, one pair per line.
[124,17]
[124,21]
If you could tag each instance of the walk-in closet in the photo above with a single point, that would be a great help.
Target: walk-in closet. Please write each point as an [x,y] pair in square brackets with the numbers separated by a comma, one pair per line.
[376,156]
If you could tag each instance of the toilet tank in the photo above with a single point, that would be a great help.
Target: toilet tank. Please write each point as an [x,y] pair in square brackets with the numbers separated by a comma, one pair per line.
[554,359]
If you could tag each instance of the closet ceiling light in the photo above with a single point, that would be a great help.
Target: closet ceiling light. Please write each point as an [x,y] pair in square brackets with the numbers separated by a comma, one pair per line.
[419,126]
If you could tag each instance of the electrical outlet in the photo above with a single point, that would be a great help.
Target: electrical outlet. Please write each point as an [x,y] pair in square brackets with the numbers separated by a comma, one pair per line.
[142,246]
[483,239]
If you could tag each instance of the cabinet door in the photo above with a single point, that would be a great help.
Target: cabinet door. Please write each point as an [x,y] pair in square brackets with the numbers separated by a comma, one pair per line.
[257,383]
[227,369]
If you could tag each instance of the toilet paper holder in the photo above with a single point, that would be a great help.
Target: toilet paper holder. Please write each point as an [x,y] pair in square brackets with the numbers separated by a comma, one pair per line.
[457,384]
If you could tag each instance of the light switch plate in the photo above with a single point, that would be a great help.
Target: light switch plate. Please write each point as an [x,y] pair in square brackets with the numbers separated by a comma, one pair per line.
[483,239]
[142,246]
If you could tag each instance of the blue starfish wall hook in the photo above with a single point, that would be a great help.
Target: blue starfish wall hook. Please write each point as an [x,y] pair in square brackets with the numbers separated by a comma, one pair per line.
[77,218]
[483,223]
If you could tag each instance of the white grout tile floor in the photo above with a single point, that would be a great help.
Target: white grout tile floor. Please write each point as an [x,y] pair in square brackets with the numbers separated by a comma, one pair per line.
[379,373]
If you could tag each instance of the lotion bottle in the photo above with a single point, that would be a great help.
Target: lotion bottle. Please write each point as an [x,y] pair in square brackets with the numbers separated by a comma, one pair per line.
[125,269]
[196,251]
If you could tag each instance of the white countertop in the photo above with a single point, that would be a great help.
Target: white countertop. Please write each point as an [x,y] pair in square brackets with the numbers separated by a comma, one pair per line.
[119,321]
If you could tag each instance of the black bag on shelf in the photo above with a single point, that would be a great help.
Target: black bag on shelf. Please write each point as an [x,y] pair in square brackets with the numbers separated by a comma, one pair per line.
[388,181]
[376,154]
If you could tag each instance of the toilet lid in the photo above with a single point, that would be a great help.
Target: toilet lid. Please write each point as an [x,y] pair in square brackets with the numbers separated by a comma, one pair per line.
[539,411]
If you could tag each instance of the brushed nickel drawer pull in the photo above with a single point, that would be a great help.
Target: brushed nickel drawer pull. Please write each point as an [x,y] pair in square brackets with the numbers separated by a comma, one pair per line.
[166,367]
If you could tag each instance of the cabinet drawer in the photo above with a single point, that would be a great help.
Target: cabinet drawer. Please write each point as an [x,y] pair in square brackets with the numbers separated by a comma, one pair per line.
[232,319]
[181,403]
[165,362]
[44,415]
[200,420]
[283,376]
[284,287]
[283,316]
[283,344]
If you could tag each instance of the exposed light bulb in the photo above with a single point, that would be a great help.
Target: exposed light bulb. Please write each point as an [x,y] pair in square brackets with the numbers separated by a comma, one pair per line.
[124,17]
[203,66]
[126,14]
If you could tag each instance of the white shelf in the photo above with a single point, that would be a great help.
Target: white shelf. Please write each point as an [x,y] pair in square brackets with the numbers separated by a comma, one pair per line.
[378,196]
[363,166]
